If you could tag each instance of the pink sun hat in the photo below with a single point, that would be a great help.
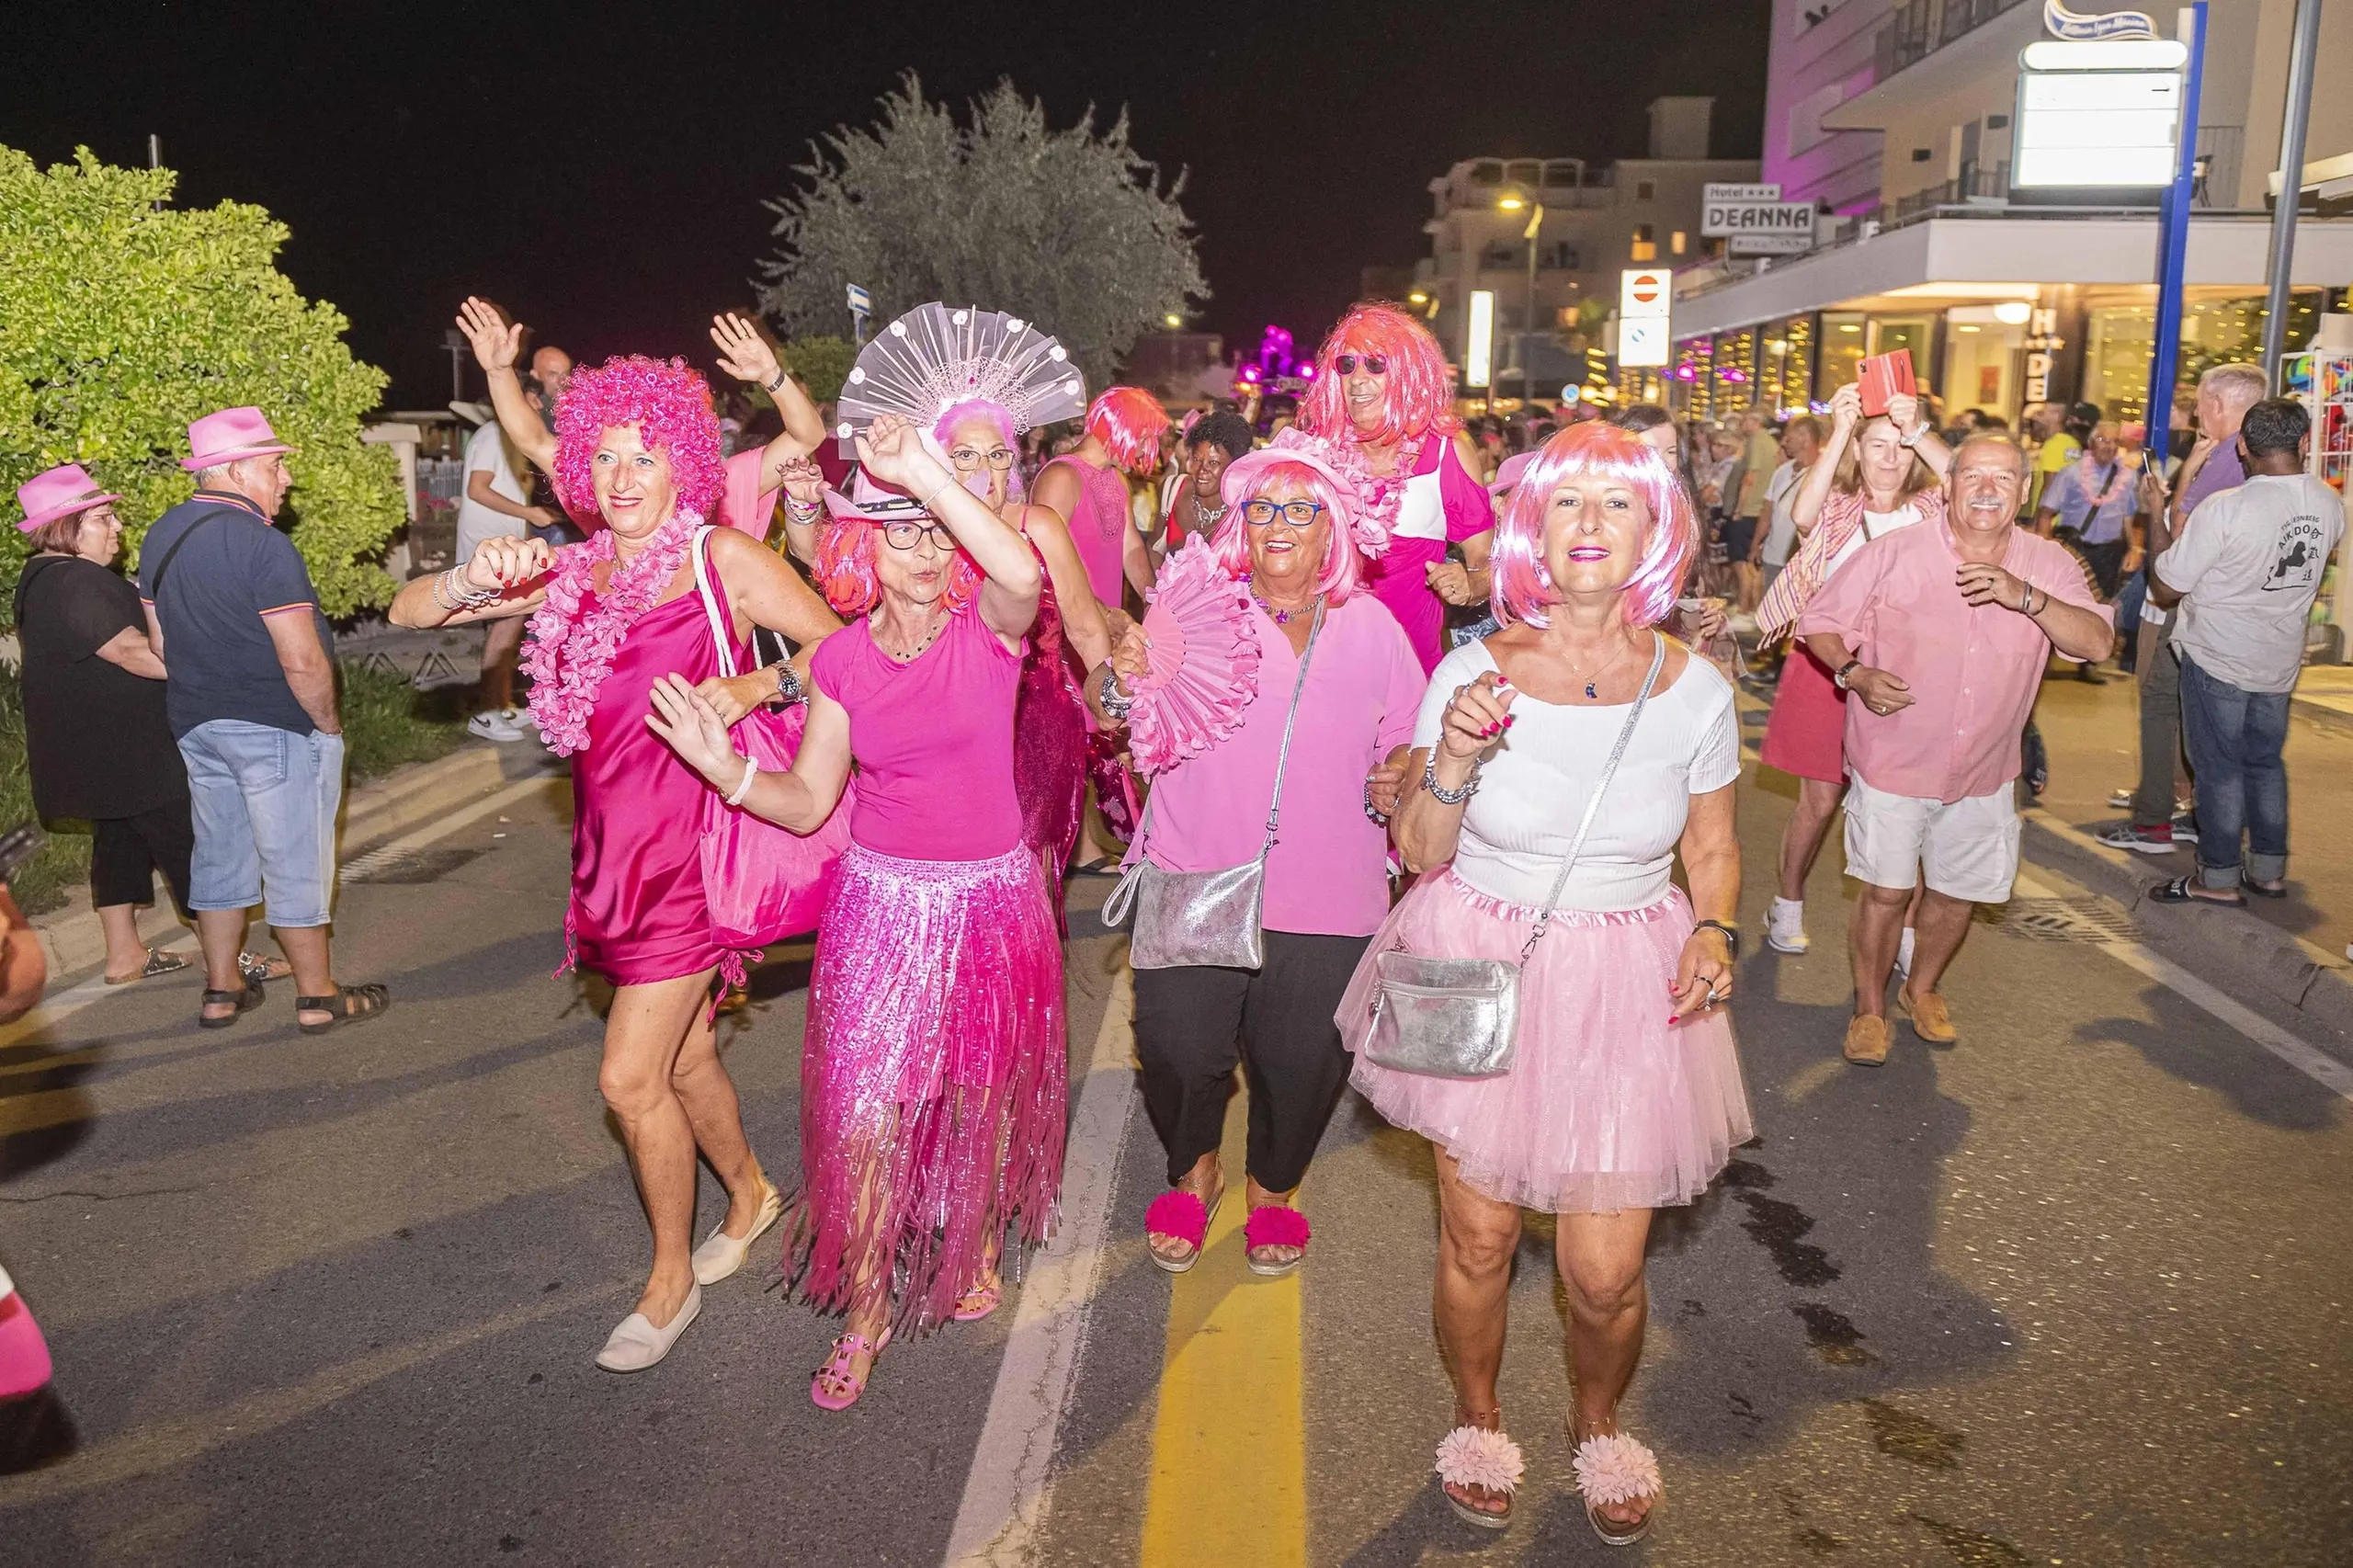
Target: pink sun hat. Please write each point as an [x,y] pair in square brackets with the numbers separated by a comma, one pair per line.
[870,500]
[60,493]
[225,436]
[1507,477]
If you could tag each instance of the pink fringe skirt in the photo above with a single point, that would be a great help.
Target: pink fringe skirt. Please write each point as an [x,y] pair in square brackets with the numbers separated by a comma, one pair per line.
[933,1081]
[1608,1105]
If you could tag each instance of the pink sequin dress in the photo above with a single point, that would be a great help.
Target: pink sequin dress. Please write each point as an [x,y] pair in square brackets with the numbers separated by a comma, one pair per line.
[1099,533]
[1050,735]
[934,1075]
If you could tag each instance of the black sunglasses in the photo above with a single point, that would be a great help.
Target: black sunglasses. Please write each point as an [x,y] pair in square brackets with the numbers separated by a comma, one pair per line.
[1375,364]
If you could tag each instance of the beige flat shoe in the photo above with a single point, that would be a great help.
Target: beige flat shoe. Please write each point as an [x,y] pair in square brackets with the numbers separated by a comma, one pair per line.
[1867,1041]
[1931,1020]
[721,1255]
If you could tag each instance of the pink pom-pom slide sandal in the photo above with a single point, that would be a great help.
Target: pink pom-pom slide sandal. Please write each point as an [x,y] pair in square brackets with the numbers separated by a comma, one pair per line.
[1478,1456]
[1180,1216]
[1613,1470]
[1274,1225]
[835,1386]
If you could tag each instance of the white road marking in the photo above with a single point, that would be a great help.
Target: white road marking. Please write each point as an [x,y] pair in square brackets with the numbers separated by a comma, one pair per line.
[55,1009]
[2312,1063]
[1008,1491]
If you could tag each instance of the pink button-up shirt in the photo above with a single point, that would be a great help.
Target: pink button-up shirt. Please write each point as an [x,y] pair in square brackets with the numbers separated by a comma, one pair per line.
[1972,671]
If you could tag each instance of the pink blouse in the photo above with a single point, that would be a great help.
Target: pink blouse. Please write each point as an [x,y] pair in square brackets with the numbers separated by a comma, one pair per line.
[1327,874]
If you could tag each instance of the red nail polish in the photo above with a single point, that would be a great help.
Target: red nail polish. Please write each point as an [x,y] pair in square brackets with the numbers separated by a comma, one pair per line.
[1674,1017]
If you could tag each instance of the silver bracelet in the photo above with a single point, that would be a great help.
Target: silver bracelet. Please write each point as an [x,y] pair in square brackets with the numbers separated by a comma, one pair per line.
[936,491]
[469,597]
[1118,701]
[751,771]
[1446,797]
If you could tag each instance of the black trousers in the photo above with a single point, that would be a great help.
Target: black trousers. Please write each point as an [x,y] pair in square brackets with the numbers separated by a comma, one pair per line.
[1195,1025]
[127,852]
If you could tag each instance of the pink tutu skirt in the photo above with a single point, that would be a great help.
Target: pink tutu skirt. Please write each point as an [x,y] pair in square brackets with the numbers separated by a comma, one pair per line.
[932,1081]
[1608,1105]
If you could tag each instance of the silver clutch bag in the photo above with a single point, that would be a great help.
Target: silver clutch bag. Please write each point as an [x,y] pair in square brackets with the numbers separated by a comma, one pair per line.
[1459,1017]
[1184,918]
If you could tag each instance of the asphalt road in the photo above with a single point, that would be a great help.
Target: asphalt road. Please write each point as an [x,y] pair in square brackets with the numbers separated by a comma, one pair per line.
[2073,1293]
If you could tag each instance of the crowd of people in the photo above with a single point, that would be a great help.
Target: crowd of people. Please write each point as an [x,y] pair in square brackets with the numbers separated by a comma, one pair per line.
[1281,694]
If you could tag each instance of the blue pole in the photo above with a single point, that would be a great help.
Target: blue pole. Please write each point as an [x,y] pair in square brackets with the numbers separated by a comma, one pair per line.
[2173,242]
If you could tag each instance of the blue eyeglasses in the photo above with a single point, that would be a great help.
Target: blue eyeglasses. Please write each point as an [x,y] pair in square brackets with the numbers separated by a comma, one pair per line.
[1299,513]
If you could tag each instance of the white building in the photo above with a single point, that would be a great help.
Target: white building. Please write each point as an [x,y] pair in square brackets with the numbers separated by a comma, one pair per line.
[1896,119]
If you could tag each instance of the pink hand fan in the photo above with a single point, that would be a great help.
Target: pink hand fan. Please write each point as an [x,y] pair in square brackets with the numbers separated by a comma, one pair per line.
[1204,661]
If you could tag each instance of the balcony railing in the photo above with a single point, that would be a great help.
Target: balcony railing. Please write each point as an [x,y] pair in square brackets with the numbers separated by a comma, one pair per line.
[1921,28]
[1974,185]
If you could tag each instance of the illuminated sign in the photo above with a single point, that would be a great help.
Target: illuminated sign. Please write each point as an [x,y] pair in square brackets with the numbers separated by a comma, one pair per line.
[1479,357]
[2099,106]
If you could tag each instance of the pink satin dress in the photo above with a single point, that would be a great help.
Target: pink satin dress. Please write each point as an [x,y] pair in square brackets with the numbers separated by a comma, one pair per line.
[638,913]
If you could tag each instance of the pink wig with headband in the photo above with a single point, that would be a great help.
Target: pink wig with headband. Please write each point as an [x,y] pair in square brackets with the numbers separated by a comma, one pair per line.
[669,405]
[853,542]
[1418,399]
[1129,422]
[997,414]
[1523,585]
[1252,475]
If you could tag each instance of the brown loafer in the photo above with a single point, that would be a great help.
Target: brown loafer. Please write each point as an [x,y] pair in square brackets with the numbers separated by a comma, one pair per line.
[1931,1020]
[1867,1041]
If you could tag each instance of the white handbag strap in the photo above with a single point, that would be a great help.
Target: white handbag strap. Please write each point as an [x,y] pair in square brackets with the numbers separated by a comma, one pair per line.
[1609,771]
[704,580]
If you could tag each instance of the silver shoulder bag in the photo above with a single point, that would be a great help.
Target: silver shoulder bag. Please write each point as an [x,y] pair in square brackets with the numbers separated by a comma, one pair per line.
[1185,918]
[1459,1017]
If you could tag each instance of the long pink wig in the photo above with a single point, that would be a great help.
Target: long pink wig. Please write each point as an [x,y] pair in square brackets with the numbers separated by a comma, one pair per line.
[1420,400]
[1523,586]
[669,403]
[997,414]
[1129,422]
[1252,475]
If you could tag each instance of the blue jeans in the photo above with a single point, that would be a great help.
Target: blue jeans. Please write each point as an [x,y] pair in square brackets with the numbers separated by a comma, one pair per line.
[264,801]
[2235,738]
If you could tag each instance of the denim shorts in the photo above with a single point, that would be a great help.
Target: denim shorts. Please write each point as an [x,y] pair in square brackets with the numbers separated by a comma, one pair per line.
[265,801]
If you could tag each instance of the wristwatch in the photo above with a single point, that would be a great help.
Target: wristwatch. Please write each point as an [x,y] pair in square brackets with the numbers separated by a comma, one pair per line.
[1914,435]
[1849,667]
[788,686]
[1732,937]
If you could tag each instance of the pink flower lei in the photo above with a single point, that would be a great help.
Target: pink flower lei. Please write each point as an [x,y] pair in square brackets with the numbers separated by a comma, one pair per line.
[571,649]
[1378,498]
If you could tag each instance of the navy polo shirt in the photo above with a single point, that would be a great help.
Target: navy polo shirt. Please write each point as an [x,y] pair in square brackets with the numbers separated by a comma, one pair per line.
[234,570]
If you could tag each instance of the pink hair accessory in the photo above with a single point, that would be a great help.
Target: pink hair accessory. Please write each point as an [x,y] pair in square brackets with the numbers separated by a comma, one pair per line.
[1417,397]
[1611,1469]
[1275,1225]
[1374,518]
[59,493]
[1204,650]
[1474,1455]
[573,640]
[231,434]
[670,405]
[935,358]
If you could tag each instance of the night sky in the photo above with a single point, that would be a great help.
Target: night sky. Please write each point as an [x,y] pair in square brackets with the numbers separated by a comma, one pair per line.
[600,168]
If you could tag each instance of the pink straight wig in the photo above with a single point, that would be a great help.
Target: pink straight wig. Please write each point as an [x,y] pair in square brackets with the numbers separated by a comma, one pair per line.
[1252,475]
[1129,422]
[1523,585]
[669,405]
[1419,398]
[999,415]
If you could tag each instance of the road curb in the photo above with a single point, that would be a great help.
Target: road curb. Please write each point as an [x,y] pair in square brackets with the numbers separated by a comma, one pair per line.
[408,795]
[2279,963]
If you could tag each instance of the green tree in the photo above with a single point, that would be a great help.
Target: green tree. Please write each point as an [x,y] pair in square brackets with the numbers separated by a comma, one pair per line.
[1070,229]
[822,364]
[122,319]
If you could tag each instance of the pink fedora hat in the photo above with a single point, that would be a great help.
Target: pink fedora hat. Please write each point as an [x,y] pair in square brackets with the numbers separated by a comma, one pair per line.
[872,501]
[225,436]
[62,492]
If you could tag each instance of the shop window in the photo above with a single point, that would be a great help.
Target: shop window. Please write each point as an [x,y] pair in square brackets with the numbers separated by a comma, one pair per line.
[1842,349]
[1922,154]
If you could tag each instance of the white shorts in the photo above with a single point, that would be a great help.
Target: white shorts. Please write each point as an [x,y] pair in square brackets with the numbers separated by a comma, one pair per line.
[1970,847]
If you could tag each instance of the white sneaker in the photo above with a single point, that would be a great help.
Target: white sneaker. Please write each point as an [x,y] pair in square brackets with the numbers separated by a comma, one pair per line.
[1785,926]
[498,724]
[1904,954]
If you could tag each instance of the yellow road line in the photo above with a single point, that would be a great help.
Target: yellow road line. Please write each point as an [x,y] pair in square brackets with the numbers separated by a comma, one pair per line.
[1229,1461]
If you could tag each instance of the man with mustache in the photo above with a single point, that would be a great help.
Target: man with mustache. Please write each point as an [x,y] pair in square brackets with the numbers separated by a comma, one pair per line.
[1941,632]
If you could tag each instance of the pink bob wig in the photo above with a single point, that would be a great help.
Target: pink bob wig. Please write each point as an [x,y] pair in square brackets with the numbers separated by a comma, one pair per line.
[1129,422]
[997,414]
[670,405]
[1252,475]
[850,546]
[1523,586]
[1419,401]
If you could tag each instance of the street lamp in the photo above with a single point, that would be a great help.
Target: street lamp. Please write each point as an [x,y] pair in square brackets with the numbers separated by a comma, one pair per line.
[1512,202]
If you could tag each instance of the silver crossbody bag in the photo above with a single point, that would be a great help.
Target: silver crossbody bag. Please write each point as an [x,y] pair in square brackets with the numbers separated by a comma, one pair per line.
[1185,918]
[1459,1017]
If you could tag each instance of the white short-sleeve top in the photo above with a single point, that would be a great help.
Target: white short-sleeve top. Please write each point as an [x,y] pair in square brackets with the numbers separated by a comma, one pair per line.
[1536,780]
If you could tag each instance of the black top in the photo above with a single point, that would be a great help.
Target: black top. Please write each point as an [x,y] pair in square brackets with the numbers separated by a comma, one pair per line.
[211,602]
[95,733]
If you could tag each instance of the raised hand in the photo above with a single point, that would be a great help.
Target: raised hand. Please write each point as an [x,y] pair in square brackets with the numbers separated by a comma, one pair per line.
[1904,412]
[496,340]
[695,731]
[743,352]
[1847,406]
[1476,716]
[892,449]
[506,563]
[802,480]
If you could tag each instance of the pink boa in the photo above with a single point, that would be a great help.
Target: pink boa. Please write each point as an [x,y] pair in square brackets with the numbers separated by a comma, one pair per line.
[574,639]
[1378,499]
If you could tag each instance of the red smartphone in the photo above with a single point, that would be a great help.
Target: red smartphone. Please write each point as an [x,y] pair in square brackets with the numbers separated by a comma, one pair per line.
[1880,378]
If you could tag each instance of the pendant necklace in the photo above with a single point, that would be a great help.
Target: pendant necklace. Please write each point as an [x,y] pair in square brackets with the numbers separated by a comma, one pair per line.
[1283,617]
[1590,694]
[911,654]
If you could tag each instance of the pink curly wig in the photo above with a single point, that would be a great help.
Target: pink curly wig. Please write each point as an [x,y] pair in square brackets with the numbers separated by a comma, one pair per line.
[1252,475]
[1420,399]
[669,403]
[846,574]
[1523,586]
[1129,421]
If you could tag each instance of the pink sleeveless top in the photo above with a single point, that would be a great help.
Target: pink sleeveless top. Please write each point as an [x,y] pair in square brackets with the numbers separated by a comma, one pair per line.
[1100,530]
[933,741]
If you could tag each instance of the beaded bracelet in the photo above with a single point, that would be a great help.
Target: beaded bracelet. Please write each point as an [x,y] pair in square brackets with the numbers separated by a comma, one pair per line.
[1116,700]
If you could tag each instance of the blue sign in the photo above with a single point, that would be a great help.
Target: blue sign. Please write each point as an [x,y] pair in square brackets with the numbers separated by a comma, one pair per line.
[859,305]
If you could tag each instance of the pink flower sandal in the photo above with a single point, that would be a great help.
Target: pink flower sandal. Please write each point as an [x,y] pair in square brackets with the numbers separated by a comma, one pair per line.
[835,1386]
[1613,1470]
[1273,1225]
[1480,1458]
[1179,1216]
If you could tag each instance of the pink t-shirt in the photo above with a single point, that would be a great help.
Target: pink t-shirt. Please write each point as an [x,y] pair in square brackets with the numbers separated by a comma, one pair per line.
[742,503]
[933,740]
[1442,506]
[1327,872]
[1974,671]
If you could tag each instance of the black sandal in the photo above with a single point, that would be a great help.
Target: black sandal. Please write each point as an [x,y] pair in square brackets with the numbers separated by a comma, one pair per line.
[2178,892]
[2262,892]
[351,1004]
[246,999]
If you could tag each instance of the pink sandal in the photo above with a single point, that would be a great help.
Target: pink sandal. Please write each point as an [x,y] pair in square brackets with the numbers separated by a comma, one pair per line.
[1274,1225]
[1611,1469]
[1482,1456]
[834,1387]
[979,1301]
[1180,1216]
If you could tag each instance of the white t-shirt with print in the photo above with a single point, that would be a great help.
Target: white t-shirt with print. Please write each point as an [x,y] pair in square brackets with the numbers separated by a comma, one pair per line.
[2248,565]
